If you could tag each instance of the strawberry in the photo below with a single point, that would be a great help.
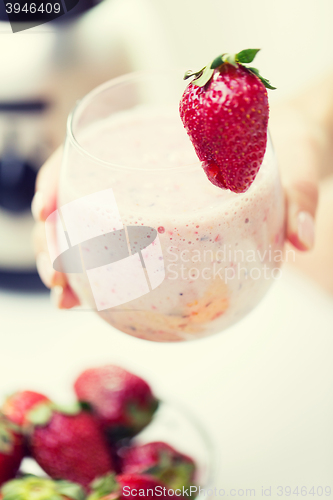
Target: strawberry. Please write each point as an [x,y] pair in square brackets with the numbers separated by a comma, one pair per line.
[225,113]
[123,402]
[11,449]
[160,460]
[20,403]
[36,488]
[68,444]
[127,486]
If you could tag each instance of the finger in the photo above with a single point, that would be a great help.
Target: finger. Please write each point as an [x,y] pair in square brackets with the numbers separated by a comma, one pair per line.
[45,199]
[61,293]
[299,147]
[47,273]
[301,185]
[43,205]
[302,198]
[319,263]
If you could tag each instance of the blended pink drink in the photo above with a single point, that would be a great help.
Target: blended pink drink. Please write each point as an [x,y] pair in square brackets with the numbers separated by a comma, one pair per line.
[221,250]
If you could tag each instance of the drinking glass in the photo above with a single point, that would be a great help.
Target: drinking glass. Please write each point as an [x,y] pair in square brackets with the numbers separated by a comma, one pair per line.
[145,239]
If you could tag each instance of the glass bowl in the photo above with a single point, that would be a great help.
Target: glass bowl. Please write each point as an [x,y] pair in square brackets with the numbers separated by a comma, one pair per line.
[176,426]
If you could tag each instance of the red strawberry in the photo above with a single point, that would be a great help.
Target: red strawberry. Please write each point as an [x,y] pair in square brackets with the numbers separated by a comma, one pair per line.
[11,450]
[68,445]
[123,402]
[225,113]
[127,486]
[19,404]
[36,488]
[160,460]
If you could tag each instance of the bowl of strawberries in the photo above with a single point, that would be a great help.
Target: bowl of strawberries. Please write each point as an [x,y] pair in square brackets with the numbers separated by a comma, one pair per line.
[116,441]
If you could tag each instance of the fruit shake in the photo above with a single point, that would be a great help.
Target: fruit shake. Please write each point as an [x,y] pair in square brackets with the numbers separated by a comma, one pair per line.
[221,250]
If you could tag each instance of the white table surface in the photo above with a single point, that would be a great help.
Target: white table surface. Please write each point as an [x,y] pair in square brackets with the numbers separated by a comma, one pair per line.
[263,389]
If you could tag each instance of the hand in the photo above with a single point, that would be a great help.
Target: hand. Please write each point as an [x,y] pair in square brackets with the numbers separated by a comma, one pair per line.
[301,134]
[302,131]
[296,145]
[43,204]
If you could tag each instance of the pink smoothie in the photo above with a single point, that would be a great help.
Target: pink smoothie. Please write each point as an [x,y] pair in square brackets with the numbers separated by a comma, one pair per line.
[221,250]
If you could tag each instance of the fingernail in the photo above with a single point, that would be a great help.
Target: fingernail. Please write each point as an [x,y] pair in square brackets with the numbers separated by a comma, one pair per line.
[306,229]
[37,206]
[45,269]
[56,296]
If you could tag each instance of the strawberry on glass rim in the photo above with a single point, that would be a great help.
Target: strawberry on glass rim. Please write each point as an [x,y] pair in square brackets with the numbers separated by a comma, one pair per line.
[225,112]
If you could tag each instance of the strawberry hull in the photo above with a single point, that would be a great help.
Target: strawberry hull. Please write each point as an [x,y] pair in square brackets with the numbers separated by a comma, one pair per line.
[19,404]
[35,488]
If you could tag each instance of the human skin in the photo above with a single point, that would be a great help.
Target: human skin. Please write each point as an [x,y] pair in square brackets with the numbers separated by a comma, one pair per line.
[302,130]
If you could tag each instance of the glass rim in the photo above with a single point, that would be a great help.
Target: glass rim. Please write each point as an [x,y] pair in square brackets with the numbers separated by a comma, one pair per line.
[89,97]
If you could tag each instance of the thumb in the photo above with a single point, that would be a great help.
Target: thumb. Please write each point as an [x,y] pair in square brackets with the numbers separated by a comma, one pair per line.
[301,188]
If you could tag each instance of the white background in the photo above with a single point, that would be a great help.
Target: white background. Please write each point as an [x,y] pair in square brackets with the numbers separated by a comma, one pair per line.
[295,35]
[263,389]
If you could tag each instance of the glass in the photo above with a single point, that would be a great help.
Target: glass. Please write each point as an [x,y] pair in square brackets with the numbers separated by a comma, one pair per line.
[161,253]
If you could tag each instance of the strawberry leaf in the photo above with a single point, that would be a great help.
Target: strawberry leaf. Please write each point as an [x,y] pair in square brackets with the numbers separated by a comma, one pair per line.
[262,79]
[246,56]
[40,415]
[85,406]
[70,490]
[242,58]
[9,491]
[31,487]
[140,417]
[204,77]
[217,62]
[8,424]
[105,485]
[71,409]
[230,58]
[190,73]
